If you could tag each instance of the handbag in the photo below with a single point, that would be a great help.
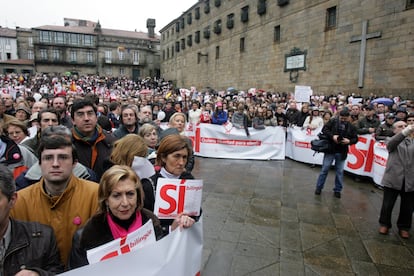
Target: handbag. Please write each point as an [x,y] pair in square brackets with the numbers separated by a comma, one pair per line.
[323,144]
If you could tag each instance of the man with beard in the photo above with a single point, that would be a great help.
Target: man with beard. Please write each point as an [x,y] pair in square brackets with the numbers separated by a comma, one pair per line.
[145,116]
[59,199]
[129,122]
[342,134]
[59,103]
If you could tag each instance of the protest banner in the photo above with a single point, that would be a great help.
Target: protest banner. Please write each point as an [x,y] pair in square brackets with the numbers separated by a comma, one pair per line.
[228,142]
[139,238]
[365,158]
[179,253]
[175,196]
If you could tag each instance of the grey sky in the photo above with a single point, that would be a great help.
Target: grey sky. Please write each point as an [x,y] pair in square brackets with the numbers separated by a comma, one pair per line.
[119,14]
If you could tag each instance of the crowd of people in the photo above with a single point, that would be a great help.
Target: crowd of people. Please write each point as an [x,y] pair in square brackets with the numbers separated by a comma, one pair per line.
[61,135]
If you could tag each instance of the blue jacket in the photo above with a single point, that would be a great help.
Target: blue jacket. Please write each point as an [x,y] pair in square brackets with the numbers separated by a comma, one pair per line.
[219,118]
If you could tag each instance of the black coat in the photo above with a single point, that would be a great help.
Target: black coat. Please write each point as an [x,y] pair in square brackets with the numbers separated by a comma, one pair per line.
[96,232]
[33,246]
[331,128]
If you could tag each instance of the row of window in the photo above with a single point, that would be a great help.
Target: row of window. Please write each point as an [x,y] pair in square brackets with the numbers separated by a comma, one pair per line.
[244,16]
[66,38]
[56,55]
[181,45]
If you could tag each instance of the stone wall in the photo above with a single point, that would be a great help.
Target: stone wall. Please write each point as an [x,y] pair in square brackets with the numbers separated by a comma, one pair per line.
[332,61]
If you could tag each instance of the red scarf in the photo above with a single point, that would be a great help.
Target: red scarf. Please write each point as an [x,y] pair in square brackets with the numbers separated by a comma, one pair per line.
[119,232]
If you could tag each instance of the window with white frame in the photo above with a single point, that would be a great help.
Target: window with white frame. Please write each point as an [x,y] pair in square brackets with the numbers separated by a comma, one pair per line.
[89,56]
[43,54]
[74,39]
[59,38]
[73,56]
[121,54]
[88,40]
[108,56]
[30,40]
[30,54]
[136,57]
[56,54]
[122,71]
[45,37]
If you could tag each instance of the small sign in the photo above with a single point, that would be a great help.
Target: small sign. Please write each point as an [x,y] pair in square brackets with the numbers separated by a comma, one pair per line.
[295,60]
[303,93]
[175,196]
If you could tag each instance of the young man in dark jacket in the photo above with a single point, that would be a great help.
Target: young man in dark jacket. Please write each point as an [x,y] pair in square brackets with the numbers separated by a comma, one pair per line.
[342,134]
[27,246]
[92,143]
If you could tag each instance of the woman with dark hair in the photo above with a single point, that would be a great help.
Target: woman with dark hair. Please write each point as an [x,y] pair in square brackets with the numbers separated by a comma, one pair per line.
[172,156]
[219,116]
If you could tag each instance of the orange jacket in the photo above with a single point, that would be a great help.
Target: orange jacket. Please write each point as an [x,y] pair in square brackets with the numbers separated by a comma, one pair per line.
[65,213]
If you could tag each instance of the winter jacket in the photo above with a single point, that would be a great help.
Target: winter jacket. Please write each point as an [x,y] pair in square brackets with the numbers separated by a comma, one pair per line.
[97,232]
[365,123]
[333,127]
[122,131]
[292,116]
[219,118]
[32,246]
[383,132]
[258,123]
[65,213]
[93,153]
[399,169]
[239,121]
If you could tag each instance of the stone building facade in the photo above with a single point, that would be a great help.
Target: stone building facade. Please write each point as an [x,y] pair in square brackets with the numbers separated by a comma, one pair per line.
[277,44]
[85,48]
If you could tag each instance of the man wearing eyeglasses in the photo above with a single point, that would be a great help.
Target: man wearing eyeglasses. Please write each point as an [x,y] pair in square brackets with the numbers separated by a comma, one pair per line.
[60,199]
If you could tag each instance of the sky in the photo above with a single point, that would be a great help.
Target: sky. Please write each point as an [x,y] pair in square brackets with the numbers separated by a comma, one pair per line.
[127,15]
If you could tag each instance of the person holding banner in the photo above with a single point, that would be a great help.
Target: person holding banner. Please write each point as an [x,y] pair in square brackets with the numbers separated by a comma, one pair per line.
[121,211]
[398,179]
[342,134]
[313,121]
[172,157]
[219,116]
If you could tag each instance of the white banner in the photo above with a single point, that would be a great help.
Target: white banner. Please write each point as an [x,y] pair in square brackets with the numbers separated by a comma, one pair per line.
[179,253]
[380,161]
[367,157]
[138,239]
[298,145]
[228,142]
[175,196]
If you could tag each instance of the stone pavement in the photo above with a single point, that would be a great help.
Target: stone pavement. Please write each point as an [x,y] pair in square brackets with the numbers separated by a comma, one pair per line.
[262,218]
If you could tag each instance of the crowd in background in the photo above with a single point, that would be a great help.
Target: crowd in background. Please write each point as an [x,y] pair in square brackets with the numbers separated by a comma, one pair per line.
[60,135]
